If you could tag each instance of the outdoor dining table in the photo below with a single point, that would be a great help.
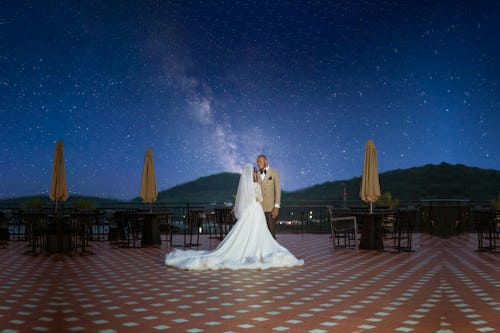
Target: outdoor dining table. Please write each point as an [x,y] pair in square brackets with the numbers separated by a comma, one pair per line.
[58,234]
[151,227]
[372,233]
[4,230]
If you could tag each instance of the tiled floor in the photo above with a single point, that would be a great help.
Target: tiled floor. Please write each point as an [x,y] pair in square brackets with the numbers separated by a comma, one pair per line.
[443,286]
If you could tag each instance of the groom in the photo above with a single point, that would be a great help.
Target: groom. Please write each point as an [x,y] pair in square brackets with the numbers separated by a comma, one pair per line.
[269,180]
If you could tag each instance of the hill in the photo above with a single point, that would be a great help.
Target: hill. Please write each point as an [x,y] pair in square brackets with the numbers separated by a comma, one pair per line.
[215,188]
[442,181]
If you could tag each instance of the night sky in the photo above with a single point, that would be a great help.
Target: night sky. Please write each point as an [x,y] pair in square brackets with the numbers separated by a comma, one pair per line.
[209,85]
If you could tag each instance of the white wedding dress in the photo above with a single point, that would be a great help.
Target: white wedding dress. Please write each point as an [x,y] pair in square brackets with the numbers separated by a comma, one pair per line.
[249,244]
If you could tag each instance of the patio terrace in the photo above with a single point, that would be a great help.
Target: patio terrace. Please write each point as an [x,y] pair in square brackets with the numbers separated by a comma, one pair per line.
[443,286]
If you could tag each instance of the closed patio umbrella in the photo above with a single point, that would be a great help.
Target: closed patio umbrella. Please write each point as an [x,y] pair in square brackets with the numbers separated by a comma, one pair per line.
[148,184]
[370,186]
[58,185]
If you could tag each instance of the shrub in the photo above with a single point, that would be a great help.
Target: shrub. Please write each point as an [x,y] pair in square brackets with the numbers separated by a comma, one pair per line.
[82,203]
[386,200]
[35,203]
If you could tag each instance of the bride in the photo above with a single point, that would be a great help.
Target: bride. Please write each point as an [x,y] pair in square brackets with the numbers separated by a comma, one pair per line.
[249,244]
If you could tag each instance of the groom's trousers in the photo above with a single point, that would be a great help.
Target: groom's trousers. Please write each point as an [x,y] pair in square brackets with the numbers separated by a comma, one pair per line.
[271,223]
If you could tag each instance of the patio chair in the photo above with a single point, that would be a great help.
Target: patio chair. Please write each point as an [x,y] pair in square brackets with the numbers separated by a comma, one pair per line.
[81,229]
[116,228]
[486,228]
[17,227]
[344,229]
[100,227]
[126,229]
[224,221]
[134,229]
[194,221]
[212,227]
[388,226]
[166,226]
[35,225]
[4,230]
[403,226]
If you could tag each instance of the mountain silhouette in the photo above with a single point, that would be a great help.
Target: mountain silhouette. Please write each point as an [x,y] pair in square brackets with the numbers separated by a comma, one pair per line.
[220,187]
[442,181]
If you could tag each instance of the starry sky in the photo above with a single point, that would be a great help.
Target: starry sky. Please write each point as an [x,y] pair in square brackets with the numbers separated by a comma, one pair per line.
[209,85]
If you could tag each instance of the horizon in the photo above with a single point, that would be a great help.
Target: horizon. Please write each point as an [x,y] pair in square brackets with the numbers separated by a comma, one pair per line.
[209,86]
[229,172]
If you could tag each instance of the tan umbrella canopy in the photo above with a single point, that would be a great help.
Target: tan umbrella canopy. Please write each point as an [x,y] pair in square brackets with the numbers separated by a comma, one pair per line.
[370,186]
[148,183]
[58,185]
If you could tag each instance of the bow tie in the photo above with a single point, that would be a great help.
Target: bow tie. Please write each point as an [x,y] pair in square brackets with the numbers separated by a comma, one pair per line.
[263,171]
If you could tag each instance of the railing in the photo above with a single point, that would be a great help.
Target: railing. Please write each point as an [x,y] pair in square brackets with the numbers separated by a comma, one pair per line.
[294,217]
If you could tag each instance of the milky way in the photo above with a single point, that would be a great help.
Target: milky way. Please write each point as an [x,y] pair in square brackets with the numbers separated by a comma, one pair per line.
[210,85]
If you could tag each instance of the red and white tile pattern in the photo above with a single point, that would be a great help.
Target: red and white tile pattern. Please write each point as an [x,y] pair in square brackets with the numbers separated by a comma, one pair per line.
[443,286]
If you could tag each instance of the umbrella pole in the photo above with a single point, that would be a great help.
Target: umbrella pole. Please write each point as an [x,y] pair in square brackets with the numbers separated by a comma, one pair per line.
[371,207]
